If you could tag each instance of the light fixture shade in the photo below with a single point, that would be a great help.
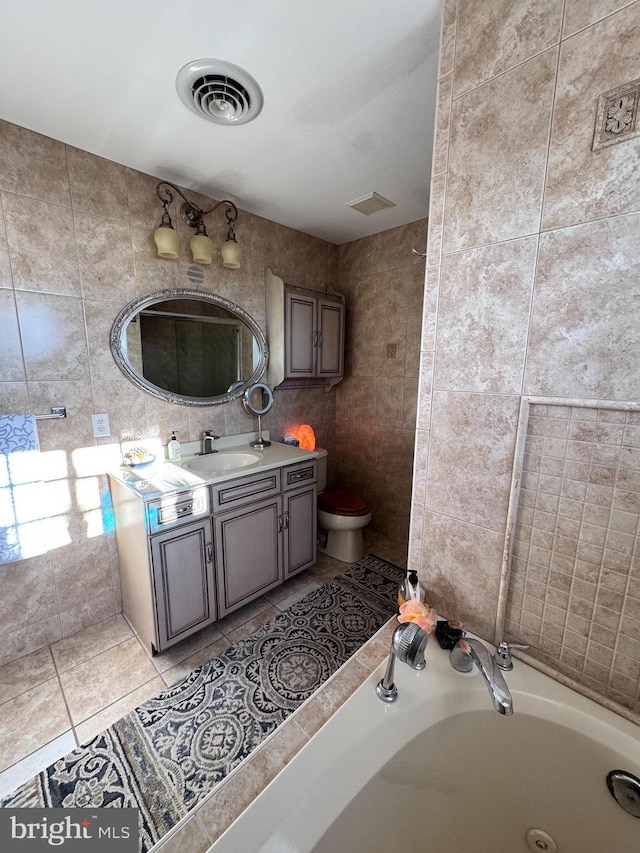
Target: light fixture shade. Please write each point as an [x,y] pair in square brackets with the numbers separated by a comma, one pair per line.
[167,242]
[230,252]
[202,249]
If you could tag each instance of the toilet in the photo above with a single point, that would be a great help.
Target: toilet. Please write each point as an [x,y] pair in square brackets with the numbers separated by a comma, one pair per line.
[341,517]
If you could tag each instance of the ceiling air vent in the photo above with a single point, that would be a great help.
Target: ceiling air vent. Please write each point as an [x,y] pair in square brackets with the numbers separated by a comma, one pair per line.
[219,91]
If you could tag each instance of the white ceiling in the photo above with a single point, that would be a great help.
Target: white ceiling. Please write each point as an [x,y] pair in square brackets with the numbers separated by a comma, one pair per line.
[349,98]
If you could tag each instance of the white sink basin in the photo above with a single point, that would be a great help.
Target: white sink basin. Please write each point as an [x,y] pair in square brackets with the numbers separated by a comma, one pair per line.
[217,463]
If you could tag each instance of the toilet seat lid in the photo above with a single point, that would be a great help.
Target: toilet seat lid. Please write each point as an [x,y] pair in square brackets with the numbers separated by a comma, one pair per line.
[342,502]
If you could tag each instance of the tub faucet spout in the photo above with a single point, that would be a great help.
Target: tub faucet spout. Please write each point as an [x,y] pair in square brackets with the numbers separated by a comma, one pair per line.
[493,678]
[408,644]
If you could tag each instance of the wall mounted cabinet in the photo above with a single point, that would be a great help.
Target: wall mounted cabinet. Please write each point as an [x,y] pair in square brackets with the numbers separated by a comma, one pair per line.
[305,331]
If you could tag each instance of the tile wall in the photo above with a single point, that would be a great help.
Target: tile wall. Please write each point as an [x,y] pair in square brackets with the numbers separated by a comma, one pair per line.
[532,270]
[383,280]
[574,588]
[75,246]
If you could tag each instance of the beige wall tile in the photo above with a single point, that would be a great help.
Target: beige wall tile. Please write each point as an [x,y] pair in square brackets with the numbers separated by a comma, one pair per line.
[33,165]
[443,121]
[471,456]
[63,437]
[485,300]
[6,279]
[448,37]
[98,186]
[583,184]
[496,35]
[582,13]
[461,571]
[28,594]
[76,618]
[42,246]
[436,220]
[497,156]
[576,349]
[11,362]
[105,257]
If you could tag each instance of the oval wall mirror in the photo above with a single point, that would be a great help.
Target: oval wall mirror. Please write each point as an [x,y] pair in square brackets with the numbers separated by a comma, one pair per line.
[189,347]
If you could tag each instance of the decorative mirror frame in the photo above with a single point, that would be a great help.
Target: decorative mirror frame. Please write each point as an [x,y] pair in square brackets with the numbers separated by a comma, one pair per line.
[119,326]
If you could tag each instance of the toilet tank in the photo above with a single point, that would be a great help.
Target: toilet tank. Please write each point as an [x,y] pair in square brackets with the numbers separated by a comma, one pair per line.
[322,468]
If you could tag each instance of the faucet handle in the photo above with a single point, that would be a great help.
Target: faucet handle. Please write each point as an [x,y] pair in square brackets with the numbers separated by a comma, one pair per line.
[209,434]
[502,656]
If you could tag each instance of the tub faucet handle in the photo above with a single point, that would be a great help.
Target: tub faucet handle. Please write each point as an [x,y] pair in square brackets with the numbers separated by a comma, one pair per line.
[503,654]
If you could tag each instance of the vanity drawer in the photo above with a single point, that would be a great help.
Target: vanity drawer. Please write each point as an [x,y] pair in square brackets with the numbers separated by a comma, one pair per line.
[178,508]
[246,489]
[299,474]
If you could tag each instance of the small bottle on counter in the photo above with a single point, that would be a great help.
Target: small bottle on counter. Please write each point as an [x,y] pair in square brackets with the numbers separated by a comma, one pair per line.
[173,449]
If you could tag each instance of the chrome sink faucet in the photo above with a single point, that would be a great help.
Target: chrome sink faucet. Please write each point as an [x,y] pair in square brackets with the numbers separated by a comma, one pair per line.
[207,442]
[486,663]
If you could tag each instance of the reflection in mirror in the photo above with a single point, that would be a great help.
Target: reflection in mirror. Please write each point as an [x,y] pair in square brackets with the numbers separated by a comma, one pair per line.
[189,347]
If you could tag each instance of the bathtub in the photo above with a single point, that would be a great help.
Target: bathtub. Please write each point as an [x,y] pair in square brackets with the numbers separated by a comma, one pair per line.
[441,770]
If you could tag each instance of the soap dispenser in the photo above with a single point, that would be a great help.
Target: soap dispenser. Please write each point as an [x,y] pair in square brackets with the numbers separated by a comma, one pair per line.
[410,589]
[173,448]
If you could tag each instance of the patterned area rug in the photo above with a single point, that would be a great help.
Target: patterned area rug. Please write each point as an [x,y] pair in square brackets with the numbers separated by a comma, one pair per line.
[167,754]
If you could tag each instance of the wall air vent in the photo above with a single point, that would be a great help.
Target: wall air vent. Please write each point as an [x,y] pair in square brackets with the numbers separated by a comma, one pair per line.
[370,203]
[219,91]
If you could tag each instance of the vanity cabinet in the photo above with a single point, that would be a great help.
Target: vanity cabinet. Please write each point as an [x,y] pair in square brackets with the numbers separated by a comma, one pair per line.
[268,534]
[183,581]
[314,335]
[188,558]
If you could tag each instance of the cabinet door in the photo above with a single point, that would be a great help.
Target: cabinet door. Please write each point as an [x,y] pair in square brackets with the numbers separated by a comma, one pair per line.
[248,558]
[183,581]
[300,522]
[300,336]
[330,338]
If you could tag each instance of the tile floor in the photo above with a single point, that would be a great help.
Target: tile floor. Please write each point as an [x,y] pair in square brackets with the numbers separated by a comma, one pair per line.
[61,696]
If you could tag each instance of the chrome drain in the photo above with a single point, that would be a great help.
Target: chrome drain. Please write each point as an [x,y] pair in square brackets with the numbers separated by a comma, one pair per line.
[625,790]
[540,841]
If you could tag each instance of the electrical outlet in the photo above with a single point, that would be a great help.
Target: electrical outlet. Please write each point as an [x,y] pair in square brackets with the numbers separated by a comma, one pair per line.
[100,425]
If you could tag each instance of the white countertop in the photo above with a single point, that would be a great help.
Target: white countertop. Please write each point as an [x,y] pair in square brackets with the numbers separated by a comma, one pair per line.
[161,476]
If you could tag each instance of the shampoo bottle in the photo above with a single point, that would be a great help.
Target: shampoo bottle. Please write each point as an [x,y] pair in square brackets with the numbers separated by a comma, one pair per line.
[173,449]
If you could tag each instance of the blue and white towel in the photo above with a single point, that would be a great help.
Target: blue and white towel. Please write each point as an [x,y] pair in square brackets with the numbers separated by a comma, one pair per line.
[19,478]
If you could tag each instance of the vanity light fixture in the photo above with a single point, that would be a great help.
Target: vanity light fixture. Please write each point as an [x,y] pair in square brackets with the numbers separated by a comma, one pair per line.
[201,245]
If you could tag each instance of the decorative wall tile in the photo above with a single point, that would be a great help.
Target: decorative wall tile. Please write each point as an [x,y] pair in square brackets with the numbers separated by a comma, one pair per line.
[617,116]
[497,156]
[496,35]
[485,300]
[575,347]
[583,184]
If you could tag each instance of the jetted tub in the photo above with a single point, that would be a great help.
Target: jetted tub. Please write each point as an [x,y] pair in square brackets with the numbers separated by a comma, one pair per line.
[441,770]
